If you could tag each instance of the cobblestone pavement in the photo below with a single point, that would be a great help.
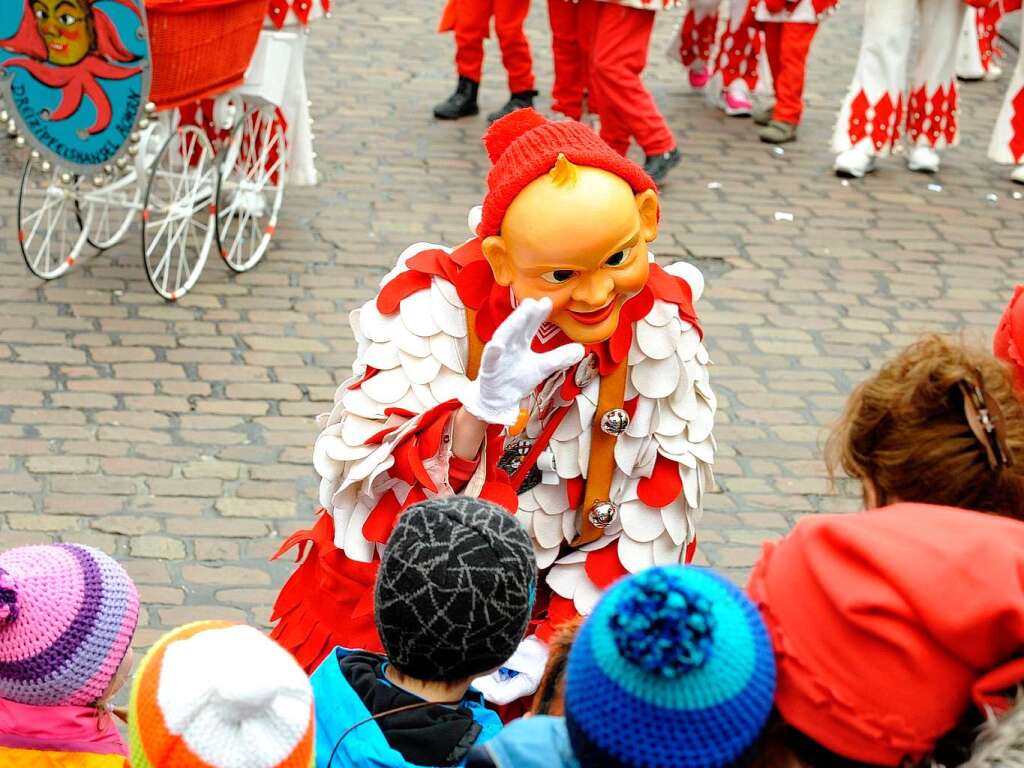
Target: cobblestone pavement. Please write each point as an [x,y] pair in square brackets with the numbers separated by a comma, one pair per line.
[179,437]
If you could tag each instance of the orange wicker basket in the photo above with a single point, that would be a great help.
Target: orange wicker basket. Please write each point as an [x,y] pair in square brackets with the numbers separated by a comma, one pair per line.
[200,48]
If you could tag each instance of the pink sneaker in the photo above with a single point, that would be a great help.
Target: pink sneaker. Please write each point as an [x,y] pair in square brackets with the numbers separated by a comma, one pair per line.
[736,102]
[699,78]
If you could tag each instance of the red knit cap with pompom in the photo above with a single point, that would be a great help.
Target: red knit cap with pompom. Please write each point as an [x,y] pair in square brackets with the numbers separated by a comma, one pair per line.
[524,145]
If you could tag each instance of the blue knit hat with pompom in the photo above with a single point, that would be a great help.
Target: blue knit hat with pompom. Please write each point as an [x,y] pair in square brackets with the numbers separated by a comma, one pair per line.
[673,669]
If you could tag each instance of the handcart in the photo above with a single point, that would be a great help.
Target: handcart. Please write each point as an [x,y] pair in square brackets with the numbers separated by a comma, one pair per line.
[185,135]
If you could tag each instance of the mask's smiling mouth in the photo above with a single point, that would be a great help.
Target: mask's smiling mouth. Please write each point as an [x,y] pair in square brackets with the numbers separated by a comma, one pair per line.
[58,47]
[595,317]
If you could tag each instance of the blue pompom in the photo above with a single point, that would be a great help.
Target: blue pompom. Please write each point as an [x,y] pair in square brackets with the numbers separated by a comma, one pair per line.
[662,626]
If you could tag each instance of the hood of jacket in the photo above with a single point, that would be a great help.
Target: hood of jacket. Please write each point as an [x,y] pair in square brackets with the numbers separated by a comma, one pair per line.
[349,688]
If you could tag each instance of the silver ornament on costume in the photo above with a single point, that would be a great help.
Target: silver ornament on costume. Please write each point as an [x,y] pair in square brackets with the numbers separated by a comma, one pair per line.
[602,514]
[513,458]
[586,370]
[614,422]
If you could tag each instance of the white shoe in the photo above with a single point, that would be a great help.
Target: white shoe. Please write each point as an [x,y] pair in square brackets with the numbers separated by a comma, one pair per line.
[994,73]
[923,160]
[854,163]
[1018,174]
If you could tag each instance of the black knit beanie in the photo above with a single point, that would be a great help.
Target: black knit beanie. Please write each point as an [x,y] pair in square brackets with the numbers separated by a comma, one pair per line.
[455,589]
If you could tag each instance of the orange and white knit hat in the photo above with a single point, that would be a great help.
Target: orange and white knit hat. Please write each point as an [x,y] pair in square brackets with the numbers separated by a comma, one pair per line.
[215,694]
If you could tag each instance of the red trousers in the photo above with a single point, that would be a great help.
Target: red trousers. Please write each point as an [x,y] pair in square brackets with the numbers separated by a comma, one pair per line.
[787,45]
[618,55]
[472,27]
[572,30]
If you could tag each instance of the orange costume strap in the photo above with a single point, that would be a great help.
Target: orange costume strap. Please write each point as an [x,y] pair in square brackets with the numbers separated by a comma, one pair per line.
[601,464]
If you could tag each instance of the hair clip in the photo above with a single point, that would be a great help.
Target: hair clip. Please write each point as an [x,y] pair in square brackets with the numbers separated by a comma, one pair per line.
[986,420]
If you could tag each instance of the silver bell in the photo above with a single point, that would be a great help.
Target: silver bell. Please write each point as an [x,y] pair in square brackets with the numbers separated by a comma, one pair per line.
[602,514]
[614,422]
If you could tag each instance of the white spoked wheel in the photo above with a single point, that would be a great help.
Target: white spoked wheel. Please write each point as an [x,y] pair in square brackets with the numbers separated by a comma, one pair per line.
[177,216]
[251,187]
[113,208]
[51,229]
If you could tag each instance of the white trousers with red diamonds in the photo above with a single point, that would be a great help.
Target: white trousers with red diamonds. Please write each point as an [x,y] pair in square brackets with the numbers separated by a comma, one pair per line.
[890,96]
[1007,145]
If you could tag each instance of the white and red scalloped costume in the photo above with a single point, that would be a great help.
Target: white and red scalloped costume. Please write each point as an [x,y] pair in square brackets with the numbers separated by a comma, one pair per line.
[385,445]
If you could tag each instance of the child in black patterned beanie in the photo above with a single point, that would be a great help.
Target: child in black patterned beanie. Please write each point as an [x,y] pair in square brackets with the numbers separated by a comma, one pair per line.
[454,592]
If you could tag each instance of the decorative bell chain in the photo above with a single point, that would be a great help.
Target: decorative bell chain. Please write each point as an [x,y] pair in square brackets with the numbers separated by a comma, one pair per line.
[614,422]
[602,514]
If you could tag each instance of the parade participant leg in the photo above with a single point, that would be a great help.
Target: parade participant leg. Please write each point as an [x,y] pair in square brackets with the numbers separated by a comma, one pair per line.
[788,45]
[622,36]
[569,83]
[1007,144]
[695,40]
[933,83]
[509,16]
[979,50]
[572,31]
[871,117]
[471,21]
[737,65]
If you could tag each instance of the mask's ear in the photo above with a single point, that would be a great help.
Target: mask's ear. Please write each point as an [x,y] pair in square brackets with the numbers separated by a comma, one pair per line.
[647,207]
[495,252]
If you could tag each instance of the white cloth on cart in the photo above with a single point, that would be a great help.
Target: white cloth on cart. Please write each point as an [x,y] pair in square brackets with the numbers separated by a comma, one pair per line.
[277,76]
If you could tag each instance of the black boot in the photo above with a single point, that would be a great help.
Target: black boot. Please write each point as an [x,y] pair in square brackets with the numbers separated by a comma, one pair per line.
[658,166]
[519,100]
[462,103]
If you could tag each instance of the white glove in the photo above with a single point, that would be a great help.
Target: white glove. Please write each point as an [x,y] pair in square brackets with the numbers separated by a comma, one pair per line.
[519,676]
[510,370]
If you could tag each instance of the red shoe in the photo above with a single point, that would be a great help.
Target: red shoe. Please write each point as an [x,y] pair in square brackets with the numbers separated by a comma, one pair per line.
[699,78]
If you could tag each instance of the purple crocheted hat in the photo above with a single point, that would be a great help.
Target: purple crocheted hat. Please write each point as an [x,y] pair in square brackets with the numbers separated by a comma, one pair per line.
[67,617]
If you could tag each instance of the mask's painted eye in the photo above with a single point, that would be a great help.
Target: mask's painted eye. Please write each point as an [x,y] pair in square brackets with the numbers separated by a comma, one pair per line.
[617,259]
[559,276]
[67,19]
[40,13]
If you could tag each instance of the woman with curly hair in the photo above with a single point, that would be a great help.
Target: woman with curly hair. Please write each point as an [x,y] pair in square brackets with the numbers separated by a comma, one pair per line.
[937,424]
[898,630]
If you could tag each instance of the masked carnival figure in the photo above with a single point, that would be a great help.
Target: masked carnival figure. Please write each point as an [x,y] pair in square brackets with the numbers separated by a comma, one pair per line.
[549,365]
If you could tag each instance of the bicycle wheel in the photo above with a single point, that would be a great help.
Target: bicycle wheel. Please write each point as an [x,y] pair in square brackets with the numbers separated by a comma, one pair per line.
[113,208]
[250,187]
[51,229]
[178,212]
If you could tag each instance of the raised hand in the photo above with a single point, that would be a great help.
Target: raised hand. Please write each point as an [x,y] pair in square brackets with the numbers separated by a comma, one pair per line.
[510,370]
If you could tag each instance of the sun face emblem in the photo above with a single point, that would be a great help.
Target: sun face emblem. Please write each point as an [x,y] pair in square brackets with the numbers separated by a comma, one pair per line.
[70,45]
